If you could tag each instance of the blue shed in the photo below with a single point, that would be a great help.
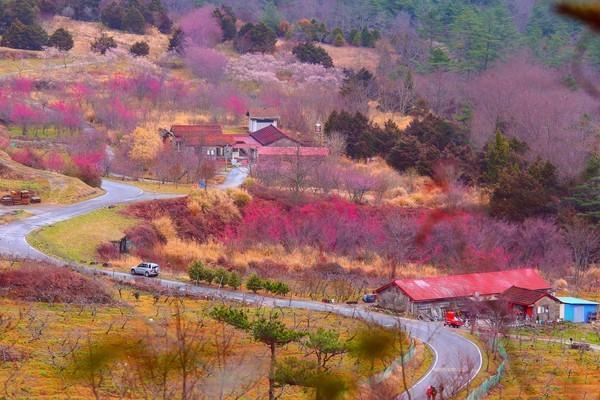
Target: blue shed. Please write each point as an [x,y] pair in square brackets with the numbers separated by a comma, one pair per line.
[577,310]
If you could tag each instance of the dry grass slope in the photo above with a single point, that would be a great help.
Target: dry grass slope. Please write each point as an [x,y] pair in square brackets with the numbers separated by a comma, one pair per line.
[84,33]
[54,188]
[353,57]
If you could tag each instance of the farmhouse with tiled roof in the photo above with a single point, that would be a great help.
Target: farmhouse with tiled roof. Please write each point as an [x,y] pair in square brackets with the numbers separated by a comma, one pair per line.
[264,139]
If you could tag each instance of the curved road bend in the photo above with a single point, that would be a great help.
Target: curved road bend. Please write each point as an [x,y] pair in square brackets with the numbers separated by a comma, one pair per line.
[457,360]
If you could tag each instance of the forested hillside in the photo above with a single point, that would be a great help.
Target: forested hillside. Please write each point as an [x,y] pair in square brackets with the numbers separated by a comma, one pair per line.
[473,33]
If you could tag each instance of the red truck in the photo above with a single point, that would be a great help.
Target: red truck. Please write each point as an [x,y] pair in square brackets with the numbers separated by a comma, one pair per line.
[452,320]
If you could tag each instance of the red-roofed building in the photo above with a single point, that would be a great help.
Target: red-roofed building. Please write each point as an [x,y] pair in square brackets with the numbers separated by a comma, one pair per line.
[537,305]
[272,136]
[436,294]
[196,130]
[262,140]
[292,151]
[206,139]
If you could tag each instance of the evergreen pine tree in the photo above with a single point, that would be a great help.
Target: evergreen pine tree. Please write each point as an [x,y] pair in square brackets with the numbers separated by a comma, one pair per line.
[438,60]
[177,41]
[227,20]
[355,37]
[112,15]
[103,44]
[140,49]
[61,39]
[271,17]
[366,38]
[25,11]
[133,20]
[26,37]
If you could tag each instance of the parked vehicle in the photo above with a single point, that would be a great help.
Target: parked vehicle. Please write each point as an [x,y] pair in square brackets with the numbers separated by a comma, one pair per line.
[452,320]
[369,298]
[146,269]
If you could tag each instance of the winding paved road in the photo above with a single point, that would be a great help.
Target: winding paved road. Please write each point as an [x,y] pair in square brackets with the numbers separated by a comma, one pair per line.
[457,360]
[12,235]
[235,178]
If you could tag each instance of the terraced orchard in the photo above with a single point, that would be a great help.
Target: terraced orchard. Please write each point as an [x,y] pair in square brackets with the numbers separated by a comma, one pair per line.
[72,336]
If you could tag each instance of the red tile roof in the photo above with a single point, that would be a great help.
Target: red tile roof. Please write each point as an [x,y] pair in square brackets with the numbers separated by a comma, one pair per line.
[199,129]
[292,151]
[269,134]
[248,141]
[208,140]
[466,285]
[202,135]
[524,297]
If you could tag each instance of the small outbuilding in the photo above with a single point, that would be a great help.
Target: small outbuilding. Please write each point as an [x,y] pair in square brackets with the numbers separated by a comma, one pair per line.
[260,118]
[531,305]
[578,310]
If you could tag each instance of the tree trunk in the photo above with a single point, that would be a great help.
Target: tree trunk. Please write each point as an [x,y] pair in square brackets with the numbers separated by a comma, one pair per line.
[272,373]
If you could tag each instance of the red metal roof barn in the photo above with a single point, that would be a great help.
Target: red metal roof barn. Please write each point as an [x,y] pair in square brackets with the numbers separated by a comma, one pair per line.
[445,292]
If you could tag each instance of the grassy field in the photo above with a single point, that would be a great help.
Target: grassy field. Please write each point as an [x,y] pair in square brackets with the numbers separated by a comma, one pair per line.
[563,331]
[25,66]
[543,370]
[77,239]
[36,132]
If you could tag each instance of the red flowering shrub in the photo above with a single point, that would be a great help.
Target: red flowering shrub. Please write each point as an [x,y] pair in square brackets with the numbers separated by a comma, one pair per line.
[22,85]
[88,167]
[144,238]
[25,116]
[68,115]
[50,284]
[54,162]
[26,156]
[458,241]
[235,105]
[332,225]
[190,225]
[108,251]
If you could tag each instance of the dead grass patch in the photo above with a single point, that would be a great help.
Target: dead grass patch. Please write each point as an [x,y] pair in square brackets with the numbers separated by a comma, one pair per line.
[84,33]
[353,57]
